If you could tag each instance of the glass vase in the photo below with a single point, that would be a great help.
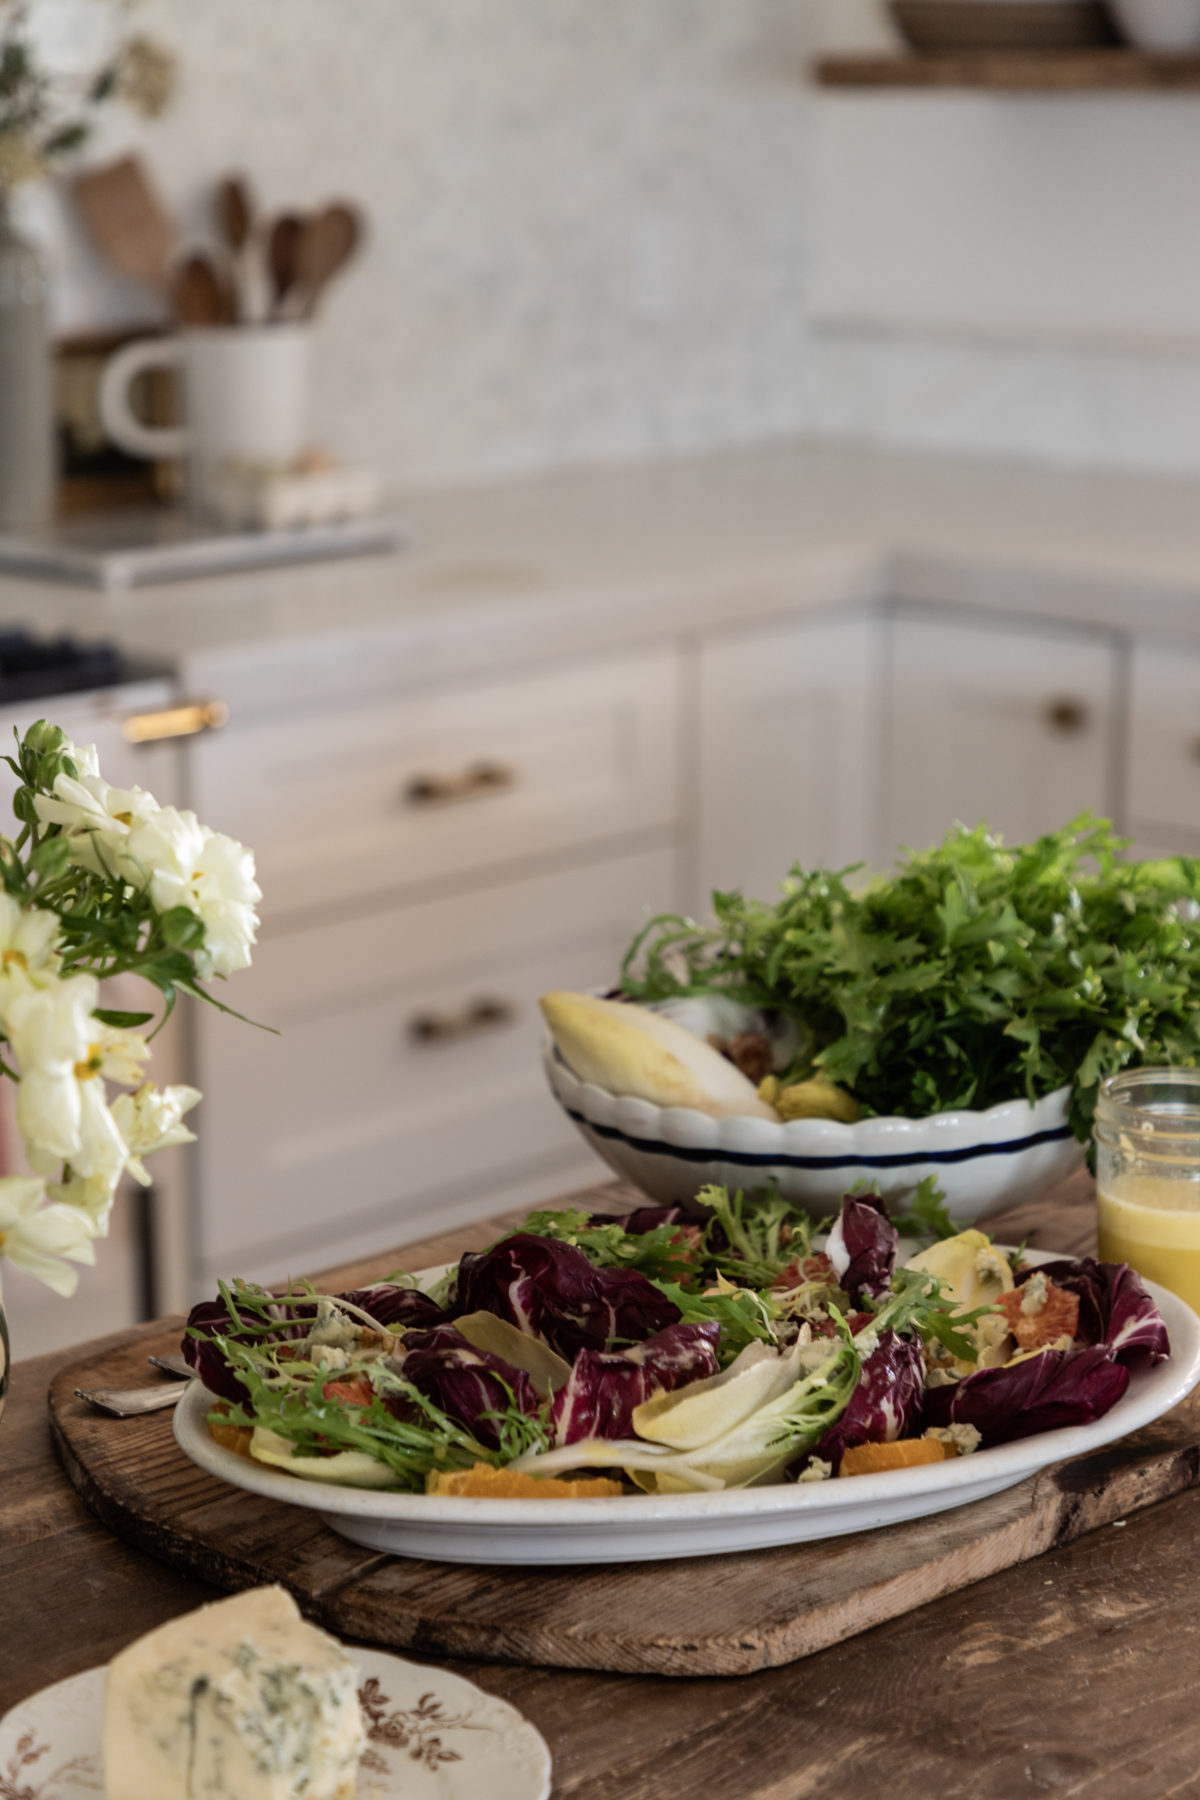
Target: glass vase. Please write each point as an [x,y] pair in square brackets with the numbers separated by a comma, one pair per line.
[26,384]
[4,1356]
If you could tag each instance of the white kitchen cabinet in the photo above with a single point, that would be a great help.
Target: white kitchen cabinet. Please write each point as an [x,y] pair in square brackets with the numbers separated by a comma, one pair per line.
[405,1084]
[1011,724]
[1163,786]
[787,727]
[358,801]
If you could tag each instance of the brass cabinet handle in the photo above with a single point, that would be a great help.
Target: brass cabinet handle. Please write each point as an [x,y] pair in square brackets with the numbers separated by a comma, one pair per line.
[1066,715]
[475,782]
[188,719]
[478,1016]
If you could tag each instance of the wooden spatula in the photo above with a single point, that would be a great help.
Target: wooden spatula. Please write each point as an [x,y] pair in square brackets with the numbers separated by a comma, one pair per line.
[126,220]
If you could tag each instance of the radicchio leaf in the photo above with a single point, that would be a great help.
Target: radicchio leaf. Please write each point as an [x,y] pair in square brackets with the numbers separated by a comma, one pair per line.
[862,1247]
[886,1404]
[1114,1308]
[606,1385]
[392,1306]
[468,1384]
[553,1292]
[1040,1393]
[645,1218]
[397,1308]
[212,1319]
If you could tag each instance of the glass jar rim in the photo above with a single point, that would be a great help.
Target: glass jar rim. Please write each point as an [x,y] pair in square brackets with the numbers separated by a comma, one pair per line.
[1164,1102]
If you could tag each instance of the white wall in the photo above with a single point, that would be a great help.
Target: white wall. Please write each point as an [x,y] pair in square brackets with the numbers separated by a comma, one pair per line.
[594,237]
[587,232]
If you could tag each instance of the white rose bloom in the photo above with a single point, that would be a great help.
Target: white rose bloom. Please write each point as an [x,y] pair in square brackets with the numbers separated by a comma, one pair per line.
[152,1119]
[37,1237]
[165,849]
[226,895]
[183,863]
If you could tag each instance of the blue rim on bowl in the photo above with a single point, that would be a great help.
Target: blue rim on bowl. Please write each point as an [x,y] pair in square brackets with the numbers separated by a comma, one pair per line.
[985,1160]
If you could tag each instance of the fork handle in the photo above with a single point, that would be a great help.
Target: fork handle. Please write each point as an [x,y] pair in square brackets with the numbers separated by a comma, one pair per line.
[130,1403]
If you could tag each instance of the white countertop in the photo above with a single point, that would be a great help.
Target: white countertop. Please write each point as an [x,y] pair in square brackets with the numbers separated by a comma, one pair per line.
[570,564]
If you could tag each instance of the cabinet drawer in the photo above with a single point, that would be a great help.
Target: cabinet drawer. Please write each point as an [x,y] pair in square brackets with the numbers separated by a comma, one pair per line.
[358,800]
[996,723]
[407,1061]
[1164,739]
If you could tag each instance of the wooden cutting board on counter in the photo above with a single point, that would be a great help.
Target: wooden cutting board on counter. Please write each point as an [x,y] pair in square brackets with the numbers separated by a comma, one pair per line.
[726,1615]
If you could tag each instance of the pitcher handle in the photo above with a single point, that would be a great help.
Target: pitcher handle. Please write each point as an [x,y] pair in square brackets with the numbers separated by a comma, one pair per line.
[116,414]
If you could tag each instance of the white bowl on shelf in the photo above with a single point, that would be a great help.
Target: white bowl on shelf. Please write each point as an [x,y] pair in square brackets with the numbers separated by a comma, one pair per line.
[983,1160]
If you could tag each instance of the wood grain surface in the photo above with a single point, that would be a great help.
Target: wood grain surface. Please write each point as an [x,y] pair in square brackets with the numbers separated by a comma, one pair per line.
[1070,1675]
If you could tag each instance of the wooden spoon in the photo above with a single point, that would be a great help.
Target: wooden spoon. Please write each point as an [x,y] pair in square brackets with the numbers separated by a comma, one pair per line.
[235,219]
[284,242]
[200,294]
[329,242]
[235,212]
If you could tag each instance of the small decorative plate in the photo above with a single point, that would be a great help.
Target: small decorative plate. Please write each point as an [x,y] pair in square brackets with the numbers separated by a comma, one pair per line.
[430,1736]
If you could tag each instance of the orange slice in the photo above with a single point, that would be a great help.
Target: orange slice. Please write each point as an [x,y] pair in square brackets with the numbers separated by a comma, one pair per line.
[1057,1317]
[905,1453]
[231,1437]
[483,1482]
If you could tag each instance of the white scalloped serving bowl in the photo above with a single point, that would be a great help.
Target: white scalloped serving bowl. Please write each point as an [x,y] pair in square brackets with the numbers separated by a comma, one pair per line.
[983,1160]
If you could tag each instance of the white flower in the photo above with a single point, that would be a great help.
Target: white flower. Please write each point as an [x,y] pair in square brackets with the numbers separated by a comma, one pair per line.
[151,1120]
[37,1237]
[91,1196]
[96,819]
[28,939]
[117,1054]
[183,863]
[61,1107]
[83,756]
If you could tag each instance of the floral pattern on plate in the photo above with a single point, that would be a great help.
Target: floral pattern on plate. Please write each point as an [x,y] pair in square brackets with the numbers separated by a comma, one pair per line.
[430,1736]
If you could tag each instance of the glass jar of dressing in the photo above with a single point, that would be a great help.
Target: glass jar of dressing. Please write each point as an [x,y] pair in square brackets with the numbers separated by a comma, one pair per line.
[1147,1132]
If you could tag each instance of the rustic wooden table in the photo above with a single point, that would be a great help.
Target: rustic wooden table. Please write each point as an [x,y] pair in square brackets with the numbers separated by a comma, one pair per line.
[1070,1675]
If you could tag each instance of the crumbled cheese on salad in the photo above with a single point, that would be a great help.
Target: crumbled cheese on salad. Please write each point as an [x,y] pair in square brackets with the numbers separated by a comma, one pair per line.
[1036,1293]
[965,1438]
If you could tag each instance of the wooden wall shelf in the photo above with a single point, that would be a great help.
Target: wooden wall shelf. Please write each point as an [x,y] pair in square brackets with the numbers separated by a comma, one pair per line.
[1045,71]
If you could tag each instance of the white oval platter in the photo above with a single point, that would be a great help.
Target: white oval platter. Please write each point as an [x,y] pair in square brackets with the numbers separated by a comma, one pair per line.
[651,1527]
[430,1736]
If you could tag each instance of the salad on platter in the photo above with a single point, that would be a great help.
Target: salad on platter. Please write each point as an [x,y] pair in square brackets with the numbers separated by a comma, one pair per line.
[585,1355]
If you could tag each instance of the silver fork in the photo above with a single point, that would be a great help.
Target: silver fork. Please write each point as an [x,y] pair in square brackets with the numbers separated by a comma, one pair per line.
[131,1403]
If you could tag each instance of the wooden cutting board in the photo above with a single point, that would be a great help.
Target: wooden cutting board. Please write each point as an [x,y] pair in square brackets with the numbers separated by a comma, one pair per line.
[732,1615]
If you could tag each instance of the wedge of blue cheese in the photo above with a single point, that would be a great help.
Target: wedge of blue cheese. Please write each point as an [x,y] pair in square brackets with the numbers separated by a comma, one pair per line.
[241,1700]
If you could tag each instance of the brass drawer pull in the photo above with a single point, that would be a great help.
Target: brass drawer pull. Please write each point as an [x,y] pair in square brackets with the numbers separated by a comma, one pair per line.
[473,783]
[476,1017]
[1066,716]
[188,719]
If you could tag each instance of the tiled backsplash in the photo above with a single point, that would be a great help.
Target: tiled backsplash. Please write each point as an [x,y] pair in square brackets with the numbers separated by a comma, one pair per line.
[591,239]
